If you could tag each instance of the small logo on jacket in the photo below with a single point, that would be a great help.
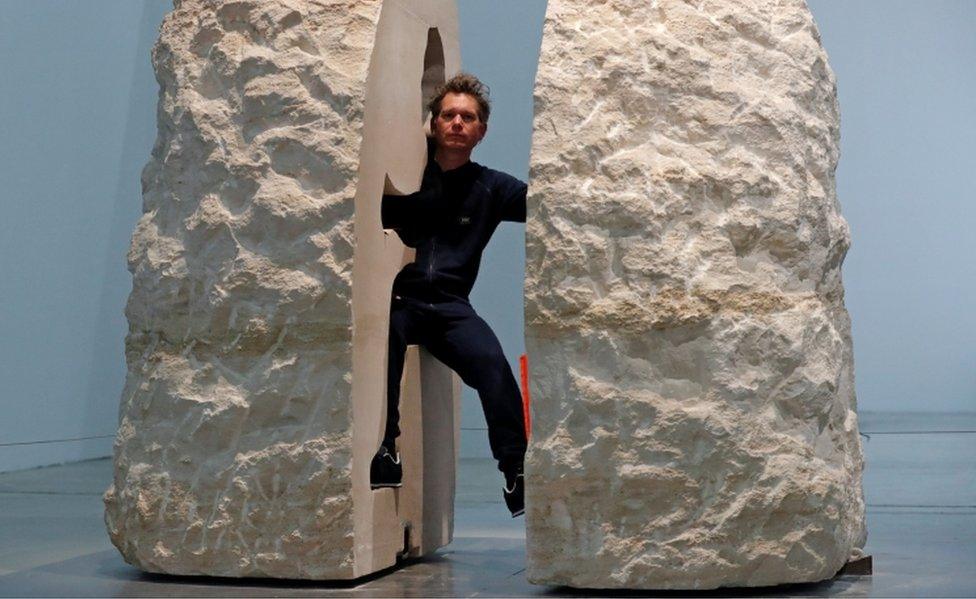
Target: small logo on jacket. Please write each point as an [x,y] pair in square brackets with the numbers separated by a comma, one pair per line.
[464,220]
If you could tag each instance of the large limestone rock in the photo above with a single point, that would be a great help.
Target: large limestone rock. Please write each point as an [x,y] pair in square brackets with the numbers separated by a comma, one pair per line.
[259,310]
[694,416]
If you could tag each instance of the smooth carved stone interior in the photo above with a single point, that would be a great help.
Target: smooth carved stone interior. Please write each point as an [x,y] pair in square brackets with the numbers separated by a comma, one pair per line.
[258,317]
[694,419]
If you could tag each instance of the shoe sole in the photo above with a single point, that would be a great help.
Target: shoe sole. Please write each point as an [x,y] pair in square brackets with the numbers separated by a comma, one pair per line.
[518,513]
[372,486]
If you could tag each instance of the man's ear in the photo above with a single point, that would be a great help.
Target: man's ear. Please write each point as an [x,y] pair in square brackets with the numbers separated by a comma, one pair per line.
[484,130]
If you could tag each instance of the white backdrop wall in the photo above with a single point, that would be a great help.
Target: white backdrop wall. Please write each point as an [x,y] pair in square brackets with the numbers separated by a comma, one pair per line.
[77,122]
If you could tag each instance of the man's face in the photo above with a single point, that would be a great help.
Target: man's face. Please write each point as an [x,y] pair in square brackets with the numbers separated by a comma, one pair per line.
[458,127]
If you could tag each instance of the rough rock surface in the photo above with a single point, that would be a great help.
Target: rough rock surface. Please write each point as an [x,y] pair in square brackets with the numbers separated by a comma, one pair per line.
[694,418]
[234,454]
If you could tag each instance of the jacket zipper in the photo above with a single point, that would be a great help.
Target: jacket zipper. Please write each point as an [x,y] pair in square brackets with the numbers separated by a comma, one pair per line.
[430,265]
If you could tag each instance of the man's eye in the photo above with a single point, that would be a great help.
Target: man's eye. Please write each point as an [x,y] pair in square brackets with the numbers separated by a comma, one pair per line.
[449,116]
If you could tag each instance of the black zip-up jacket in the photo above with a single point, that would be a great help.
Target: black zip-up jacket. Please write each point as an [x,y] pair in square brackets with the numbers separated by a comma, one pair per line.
[449,222]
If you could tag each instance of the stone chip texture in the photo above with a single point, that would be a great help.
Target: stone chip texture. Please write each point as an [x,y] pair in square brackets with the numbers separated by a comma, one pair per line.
[694,419]
[233,455]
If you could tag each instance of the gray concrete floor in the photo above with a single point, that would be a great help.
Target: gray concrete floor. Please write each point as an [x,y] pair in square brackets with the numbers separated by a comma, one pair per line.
[920,484]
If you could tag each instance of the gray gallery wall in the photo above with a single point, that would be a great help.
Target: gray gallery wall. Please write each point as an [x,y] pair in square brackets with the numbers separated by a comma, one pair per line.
[907,186]
[77,121]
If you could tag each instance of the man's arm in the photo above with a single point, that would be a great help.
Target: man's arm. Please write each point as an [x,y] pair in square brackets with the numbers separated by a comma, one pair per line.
[412,215]
[511,194]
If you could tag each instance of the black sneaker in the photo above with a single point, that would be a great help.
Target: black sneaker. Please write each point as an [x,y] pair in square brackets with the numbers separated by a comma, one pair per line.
[515,491]
[385,469]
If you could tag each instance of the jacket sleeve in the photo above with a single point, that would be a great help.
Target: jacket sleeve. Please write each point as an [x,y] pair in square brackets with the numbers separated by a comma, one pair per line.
[411,238]
[510,193]
[411,215]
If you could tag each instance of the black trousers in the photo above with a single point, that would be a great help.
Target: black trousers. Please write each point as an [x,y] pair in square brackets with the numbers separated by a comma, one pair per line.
[454,334]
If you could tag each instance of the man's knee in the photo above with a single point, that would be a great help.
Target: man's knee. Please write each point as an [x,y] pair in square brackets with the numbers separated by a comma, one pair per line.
[486,366]
[494,358]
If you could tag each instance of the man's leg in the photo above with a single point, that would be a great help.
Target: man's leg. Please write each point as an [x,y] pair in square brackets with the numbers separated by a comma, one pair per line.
[405,324]
[385,469]
[470,348]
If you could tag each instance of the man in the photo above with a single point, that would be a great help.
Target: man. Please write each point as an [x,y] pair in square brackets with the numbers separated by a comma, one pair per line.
[449,222]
